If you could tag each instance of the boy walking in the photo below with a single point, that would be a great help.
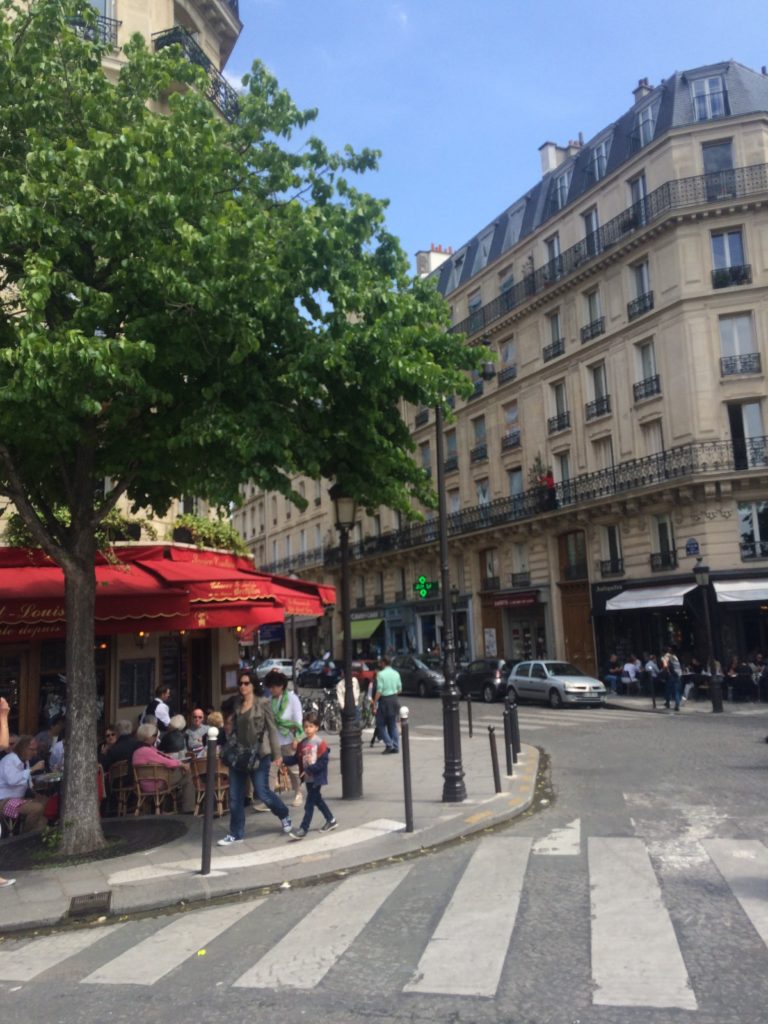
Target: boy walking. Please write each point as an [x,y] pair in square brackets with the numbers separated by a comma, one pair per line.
[312,758]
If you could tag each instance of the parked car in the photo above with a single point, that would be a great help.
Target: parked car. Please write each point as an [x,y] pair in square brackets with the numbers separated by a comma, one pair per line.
[320,675]
[417,677]
[284,665]
[486,678]
[365,670]
[555,682]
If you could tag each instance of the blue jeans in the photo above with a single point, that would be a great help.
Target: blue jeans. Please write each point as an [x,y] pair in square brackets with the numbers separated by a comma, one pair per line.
[260,782]
[314,800]
[672,689]
[389,708]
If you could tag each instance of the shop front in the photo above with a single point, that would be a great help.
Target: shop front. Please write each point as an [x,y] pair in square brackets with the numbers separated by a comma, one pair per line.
[514,625]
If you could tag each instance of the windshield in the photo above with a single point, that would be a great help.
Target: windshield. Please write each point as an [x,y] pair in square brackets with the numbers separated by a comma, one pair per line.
[562,668]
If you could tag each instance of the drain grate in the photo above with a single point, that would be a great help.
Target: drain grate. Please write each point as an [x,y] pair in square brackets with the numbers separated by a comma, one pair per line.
[91,903]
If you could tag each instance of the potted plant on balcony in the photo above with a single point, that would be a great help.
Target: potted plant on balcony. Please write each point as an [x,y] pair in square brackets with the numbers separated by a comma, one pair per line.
[208,533]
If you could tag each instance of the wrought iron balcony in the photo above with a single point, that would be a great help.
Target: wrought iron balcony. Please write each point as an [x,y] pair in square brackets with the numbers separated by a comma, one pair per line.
[612,567]
[747,362]
[451,463]
[724,277]
[510,440]
[754,549]
[593,330]
[642,304]
[663,560]
[359,602]
[507,373]
[561,421]
[479,453]
[422,417]
[490,583]
[599,407]
[647,388]
[104,30]
[219,91]
[556,348]
[575,571]
[478,389]
[676,194]
[520,579]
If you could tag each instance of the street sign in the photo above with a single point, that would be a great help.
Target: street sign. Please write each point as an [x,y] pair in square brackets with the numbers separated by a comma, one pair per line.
[692,546]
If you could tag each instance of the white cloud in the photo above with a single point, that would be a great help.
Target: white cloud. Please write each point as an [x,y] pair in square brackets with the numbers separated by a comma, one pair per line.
[401,16]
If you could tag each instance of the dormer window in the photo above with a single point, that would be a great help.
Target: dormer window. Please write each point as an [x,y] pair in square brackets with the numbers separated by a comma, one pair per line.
[709,98]
[598,161]
[645,123]
[561,186]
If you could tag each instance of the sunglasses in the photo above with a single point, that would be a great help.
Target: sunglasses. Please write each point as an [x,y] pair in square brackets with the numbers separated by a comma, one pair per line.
[244,682]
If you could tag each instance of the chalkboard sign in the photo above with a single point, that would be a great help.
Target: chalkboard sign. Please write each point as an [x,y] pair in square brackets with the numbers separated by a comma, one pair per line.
[170,658]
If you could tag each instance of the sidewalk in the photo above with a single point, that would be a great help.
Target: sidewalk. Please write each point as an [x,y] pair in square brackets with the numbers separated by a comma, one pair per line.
[698,707]
[371,830]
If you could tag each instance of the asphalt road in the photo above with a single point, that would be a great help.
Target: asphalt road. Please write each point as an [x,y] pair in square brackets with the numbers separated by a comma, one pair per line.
[637,895]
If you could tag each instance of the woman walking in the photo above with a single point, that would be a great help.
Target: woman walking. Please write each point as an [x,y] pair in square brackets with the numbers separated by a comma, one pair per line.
[254,727]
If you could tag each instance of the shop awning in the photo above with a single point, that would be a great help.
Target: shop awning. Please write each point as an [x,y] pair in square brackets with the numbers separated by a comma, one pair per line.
[363,629]
[669,596]
[741,590]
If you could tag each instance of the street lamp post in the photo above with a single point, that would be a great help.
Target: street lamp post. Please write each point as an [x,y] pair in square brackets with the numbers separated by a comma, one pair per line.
[351,737]
[701,575]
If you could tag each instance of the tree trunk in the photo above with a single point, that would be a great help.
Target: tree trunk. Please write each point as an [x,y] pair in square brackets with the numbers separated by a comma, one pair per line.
[81,822]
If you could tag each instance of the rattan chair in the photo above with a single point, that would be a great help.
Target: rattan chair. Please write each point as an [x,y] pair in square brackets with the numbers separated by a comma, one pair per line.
[160,790]
[122,787]
[199,766]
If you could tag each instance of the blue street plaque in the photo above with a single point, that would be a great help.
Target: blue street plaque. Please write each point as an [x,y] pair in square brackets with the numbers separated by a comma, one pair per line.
[692,546]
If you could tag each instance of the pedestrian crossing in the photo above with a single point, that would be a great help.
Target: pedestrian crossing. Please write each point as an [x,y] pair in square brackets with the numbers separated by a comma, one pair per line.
[534,719]
[308,940]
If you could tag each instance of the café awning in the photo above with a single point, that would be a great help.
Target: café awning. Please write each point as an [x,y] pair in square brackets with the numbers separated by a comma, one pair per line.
[741,590]
[363,629]
[663,596]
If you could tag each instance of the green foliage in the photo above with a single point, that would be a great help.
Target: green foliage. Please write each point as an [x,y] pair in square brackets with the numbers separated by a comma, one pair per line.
[536,471]
[212,533]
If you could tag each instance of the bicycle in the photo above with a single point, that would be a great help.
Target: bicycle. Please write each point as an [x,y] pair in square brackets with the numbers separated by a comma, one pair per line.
[327,708]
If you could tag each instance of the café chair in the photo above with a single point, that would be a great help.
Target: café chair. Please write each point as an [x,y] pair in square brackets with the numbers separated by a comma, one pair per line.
[122,787]
[156,786]
[199,767]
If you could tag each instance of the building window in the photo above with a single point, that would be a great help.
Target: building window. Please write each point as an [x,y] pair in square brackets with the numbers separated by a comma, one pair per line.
[562,185]
[645,122]
[720,181]
[747,434]
[664,555]
[479,450]
[638,193]
[753,529]
[556,346]
[602,450]
[648,383]
[653,437]
[515,482]
[474,308]
[507,360]
[641,287]
[454,500]
[275,554]
[737,346]
[482,491]
[425,458]
[137,682]
[573,555]
[302,542]
[728,263]
[511,435]
[560,419]
[554,264]
[611,563]
[519,561]
[563,476]
[598,161]
[288,546]
[489,569]
[601,400]
[318,536]
[591,231]
[595,324]
[709,98]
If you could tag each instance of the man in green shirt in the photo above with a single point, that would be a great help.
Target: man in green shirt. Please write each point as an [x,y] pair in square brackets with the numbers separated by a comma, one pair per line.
[386,705]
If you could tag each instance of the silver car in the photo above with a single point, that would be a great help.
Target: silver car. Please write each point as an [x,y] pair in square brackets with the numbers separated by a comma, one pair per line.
[555,682]
[284,665]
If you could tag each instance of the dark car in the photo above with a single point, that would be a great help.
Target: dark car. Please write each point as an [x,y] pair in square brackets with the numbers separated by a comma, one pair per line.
[486,678]
[320,675]
[417,677]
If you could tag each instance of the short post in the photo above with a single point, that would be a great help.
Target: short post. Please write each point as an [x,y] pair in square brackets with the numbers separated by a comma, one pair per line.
[469,714]
[211,753]
[405,749]
[508,736]
[494,758]
[515,725]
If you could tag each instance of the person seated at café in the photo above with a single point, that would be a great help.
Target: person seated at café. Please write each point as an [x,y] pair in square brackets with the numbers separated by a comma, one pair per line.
[216,719]
[147,753]
[110,735]
[197,731]
[47,737]
[56,756]
[612,676]
[16,771]
[123,747]
[174,739]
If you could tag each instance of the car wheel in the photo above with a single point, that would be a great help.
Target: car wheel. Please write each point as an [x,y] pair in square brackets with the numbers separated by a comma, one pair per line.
[489,693]
[512,694]
[422,689]
[555,700]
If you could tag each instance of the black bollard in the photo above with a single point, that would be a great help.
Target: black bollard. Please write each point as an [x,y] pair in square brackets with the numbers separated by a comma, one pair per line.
[211,753]
[494,758]
[405,750]
[514,722]
[508,736]
[469,714]
[716,693]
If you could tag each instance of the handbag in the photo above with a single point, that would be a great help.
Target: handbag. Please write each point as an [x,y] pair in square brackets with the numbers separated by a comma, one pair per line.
[238,757]
[283,781]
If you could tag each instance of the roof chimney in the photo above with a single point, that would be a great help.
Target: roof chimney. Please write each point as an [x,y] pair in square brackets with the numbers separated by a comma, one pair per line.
[642,89]
[428,260]
[552,156]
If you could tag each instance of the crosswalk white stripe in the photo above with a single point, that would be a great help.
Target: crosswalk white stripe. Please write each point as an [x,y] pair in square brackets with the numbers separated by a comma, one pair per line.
[480,917]
[304,956]
[41,954]
[150,960]
[636,960]
[743,863]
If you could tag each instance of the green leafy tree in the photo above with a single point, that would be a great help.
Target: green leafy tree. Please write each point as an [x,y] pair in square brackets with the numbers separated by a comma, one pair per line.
[185,304]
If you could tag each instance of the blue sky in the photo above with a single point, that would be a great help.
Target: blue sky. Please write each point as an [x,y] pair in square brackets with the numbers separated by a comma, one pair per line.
[459,96]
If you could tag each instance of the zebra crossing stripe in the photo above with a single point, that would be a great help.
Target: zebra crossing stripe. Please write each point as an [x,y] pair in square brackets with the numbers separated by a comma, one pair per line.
[152,959]
[636,960]
[40,955]
[743,863]
[304,956]
[479,917]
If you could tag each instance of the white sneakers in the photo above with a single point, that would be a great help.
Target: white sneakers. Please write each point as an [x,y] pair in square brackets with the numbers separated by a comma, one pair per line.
[228,841]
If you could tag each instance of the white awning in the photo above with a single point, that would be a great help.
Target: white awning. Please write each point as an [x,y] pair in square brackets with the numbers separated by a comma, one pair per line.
[742,590]
[670,596]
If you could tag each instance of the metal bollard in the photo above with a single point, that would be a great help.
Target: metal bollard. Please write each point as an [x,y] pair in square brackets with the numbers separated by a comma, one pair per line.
[508,736]
[405,749]
[514,722]
[469,714]
[494,758]
[211,753]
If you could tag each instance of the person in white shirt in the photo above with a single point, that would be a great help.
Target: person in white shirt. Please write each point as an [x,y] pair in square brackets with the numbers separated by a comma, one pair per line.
[341,690]
[630,672]
[16,779]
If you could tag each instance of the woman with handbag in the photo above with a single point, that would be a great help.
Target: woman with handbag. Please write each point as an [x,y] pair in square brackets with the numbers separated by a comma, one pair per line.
[253,745]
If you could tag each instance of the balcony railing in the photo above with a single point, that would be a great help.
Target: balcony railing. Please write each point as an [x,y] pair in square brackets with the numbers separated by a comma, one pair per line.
[219,91]
[612,567]
[561,421]
[724,277]
[479,453]
[575,571]
[599,407]
[478,390]
[520,579]
[451,463]
[747,362]
[510,440]
[104,30]
[593,330]
[647,388]
[642,304]
[556,348]
[490,583]
[677,194]
[507,373]
[422,417]
[754,549]
[663,560]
